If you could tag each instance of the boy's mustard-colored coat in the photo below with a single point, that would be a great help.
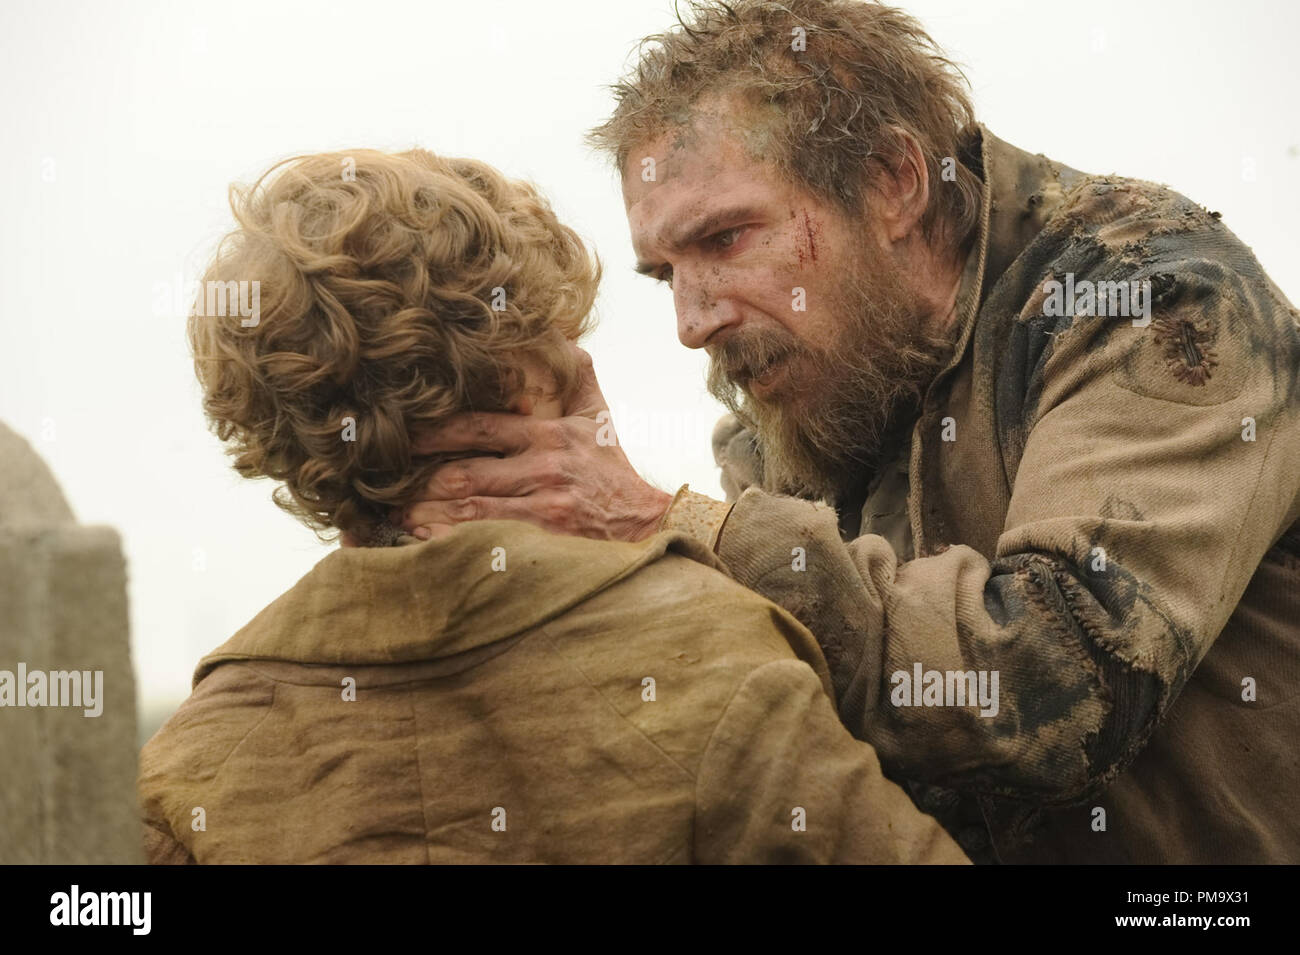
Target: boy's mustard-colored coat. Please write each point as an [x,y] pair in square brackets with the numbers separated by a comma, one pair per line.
[583,702]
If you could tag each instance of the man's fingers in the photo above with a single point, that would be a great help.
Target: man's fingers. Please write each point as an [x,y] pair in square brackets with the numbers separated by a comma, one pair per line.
[477,431]
[429,531]
[492,477]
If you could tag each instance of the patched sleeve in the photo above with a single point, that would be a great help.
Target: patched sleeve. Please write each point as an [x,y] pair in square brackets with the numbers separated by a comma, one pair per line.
[1156,467]
[782,781]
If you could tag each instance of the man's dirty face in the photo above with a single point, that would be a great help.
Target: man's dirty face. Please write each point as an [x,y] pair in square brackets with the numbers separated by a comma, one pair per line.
[812,335]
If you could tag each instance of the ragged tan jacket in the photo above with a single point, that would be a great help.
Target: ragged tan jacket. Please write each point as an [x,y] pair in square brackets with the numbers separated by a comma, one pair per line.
[1103,510]
[508,695]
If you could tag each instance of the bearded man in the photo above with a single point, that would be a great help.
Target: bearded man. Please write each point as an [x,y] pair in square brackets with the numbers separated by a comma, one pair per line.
[993,417]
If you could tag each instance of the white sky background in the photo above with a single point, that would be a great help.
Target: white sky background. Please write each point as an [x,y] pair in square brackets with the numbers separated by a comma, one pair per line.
[123,123]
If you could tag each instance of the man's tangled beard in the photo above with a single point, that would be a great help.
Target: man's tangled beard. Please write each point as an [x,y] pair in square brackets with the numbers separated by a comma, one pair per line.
[846,405]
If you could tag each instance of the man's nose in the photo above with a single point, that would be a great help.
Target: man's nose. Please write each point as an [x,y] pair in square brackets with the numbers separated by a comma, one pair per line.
[701,312]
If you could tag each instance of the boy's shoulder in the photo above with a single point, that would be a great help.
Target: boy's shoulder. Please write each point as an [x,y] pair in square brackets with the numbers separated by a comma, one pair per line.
[670,645]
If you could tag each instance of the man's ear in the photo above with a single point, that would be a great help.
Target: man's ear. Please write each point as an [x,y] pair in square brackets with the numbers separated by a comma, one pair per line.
[900,192]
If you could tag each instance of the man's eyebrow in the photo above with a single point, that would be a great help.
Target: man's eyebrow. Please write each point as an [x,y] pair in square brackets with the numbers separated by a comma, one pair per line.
[709,223]
[701,228]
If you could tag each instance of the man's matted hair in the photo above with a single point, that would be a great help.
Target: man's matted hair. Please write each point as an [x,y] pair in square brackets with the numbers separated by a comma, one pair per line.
[396,289]
[865,71]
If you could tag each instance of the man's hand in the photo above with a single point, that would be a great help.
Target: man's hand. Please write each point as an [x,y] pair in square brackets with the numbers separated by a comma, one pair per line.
[552,472]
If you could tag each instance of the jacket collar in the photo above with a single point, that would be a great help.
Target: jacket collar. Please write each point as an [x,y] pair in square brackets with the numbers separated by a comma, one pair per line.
[484,582]
[1021,192]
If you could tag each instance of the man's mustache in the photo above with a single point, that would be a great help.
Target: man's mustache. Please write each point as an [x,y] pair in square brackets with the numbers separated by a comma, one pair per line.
[746,355]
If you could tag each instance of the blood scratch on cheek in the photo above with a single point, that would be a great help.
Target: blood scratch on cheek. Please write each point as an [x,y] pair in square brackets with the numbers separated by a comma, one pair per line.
[812,236]
[806,243]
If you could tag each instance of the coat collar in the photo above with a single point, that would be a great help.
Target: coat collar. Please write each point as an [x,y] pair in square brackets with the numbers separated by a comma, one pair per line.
[427,600]
[1021,192]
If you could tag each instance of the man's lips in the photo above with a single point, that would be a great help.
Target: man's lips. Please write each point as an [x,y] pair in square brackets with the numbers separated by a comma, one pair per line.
[763,384]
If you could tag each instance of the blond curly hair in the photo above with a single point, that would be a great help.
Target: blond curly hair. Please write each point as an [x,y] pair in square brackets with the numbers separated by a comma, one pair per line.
[394,290]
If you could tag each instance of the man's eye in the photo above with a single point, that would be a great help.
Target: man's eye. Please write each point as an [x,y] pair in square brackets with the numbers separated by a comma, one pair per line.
[666,276]
[725,240]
